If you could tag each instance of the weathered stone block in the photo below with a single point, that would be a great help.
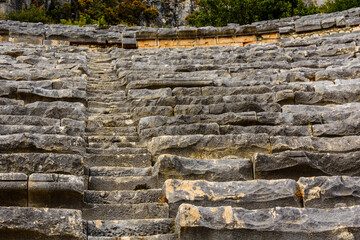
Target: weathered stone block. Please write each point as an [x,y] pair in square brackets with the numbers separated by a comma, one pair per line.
[210,146]
[307,25]
[295,164]
[13,189]
[40,223]
[329,192]
[221,170]
[55,191]
[41,163]
[247,194]
[280,223]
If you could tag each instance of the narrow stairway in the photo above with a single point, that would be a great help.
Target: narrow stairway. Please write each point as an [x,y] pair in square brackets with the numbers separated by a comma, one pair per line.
[123,198]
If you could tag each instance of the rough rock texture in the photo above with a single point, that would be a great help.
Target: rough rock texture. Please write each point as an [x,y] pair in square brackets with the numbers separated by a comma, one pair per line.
[35,223]
[259,126]
[274,223]
[249,194]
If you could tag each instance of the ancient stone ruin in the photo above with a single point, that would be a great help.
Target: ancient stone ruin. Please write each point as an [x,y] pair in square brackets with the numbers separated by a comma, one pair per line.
[240,132]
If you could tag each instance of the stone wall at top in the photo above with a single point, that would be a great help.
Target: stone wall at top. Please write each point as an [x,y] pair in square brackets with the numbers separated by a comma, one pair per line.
[144,37]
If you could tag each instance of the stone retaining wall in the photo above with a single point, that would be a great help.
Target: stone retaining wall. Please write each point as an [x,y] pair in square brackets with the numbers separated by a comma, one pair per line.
[144,37]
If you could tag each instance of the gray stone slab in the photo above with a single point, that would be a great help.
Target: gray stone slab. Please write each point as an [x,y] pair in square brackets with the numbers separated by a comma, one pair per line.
[295,164]
[248,194]
[221,170]
[330,192]
[279,223]
[40,223]
[55,191]
[13,189]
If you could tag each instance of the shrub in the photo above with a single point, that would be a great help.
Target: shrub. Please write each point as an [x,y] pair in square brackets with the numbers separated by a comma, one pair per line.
[33,14]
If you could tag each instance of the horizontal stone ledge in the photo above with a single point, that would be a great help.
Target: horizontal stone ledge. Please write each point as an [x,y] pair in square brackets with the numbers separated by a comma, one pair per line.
[184,129]
[13,189]
[28,120]
[41,163]
[315,144]
[347,127]
[169,83]
[57,110]
[55,191]
[296,164]
[221,170]
[248,194]
[335,97]
[330,192]
[42,142]
[280,223]
[321,109]
[210,146]
[41,223]
[270,130]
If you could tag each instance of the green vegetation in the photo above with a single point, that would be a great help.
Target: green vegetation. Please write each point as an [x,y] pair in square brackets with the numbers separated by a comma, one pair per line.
[133,12]
[221,12]
[81,12]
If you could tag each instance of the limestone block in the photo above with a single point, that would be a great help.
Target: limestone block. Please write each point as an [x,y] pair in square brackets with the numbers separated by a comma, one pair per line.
[328,22]
[295,164]
[152,83]
[13,189]
[207,42]
[166,43]
[329,192]
[41,163]
[175,167]
[248,194]
[307,25]
[41,223]
[210,146]
[280,223]
[55,191]
[146,43]
[186,129]
[58,109]
[340,21]
[338,144]
[28,120]
[340,128]
[148,93]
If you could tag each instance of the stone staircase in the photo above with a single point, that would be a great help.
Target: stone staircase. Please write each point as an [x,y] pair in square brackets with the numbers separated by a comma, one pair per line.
[123,197]
[242,140]
[259,142]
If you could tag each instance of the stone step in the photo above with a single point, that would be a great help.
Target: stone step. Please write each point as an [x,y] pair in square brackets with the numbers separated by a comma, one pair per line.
[112,139]
[210,146]
[97,111]
[132,227]
[122,131]
[115,150]
[109,145]
[113,86]
[118,123]
[220,170]
[155,237]
[106,183]
[253,194]
[118,160]
[123,197]
[106,105]
[119,171]
[125,211]
[280,223]
[296,164]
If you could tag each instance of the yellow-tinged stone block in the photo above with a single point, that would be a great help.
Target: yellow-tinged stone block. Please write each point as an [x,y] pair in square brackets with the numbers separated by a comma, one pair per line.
[207,42]
[27,39]
[4,38]
[147,43]
[58,42]
[243,39]
[248,43]
[165,43]
[185,42]
[225,40]
[269,41]
[270,36]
